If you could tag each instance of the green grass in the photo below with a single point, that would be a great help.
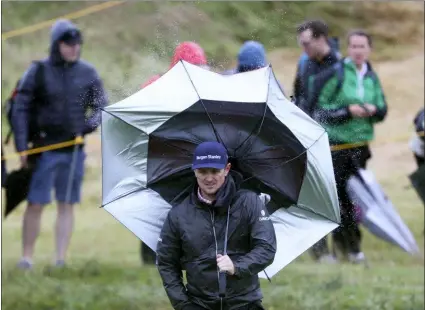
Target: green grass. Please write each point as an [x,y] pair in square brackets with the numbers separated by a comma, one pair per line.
[133,41]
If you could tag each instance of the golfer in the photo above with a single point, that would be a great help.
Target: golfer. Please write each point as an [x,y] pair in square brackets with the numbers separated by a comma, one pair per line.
[217,228]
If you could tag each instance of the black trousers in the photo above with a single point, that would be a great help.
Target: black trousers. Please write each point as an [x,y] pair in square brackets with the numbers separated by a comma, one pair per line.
[419,160]
[347,237]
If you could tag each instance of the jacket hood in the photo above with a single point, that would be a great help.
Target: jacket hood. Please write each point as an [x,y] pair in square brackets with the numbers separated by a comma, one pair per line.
[190,52]
[252,56]
[58,30]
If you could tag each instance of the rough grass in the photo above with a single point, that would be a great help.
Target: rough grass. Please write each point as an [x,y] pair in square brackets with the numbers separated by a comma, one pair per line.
[104,269]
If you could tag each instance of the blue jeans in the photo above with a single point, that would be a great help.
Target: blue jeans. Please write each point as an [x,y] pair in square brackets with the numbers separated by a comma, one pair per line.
[52,171]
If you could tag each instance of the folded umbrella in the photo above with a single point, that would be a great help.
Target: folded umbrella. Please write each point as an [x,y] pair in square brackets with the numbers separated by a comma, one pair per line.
[16,188]
[148,141]
[17,185]
[378,214]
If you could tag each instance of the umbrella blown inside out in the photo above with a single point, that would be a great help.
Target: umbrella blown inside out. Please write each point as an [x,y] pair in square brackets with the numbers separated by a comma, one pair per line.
[148,141]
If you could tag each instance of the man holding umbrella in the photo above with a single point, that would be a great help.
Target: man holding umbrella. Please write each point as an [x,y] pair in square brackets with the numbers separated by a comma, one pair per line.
[218,234]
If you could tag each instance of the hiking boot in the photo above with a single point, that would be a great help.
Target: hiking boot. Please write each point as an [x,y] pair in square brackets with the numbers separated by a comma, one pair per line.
[356,258]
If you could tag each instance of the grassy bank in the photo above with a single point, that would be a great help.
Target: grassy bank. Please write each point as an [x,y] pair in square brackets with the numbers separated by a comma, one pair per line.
[132,41]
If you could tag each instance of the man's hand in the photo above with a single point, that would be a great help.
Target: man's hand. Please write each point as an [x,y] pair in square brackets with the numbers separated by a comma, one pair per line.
[225,264]
[358,111]
[24,161]
[371,109]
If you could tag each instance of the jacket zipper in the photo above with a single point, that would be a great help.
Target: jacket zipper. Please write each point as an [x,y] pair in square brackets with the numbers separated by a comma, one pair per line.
[212,214]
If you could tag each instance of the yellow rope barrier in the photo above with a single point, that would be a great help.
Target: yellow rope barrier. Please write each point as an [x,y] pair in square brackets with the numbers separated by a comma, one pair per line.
[56,146]
[85,12]
[74,15]
[80,140]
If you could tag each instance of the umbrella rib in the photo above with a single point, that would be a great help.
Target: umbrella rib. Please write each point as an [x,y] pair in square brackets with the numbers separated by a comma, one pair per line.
[291,159]
[164,140]
[253,176]
[279,165]
[262,119]
[318,214]
[203,105]
[129,124]
[252,133]
[123,195]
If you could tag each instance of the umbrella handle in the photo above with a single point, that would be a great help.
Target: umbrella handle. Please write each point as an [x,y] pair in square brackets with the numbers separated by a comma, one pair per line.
[222,282]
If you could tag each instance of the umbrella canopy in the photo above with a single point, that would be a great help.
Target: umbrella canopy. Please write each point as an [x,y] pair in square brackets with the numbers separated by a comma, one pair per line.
[148,141]
[16,187]
[378,214]
[17,184]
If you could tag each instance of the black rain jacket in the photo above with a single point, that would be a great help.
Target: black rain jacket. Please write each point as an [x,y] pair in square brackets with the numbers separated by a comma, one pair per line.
[192,236]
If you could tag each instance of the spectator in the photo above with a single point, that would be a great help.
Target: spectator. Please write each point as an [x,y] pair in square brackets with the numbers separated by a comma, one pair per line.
[251,56]
[73,89]
[190,52]
[350,101]
[313,37]
[189,234]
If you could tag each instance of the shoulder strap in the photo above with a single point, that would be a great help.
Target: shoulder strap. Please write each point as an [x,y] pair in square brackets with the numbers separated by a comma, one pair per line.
[318,81]
[339,72]
[303,64]
[39,78]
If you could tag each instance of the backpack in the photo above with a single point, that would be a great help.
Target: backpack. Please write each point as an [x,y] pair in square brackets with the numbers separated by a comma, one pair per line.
[33,129]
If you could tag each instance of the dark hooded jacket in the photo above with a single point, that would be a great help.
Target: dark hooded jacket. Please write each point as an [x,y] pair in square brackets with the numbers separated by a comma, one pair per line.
[193,235]
[71,91]
[302,77]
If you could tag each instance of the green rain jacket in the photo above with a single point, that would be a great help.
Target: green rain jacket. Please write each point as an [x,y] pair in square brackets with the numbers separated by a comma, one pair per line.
[338,87]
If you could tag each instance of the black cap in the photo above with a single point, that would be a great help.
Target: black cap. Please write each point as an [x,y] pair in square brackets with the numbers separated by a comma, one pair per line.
[72,37]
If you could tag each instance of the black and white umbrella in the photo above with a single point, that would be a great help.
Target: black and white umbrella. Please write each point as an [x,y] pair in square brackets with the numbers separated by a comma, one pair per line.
[148,140]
